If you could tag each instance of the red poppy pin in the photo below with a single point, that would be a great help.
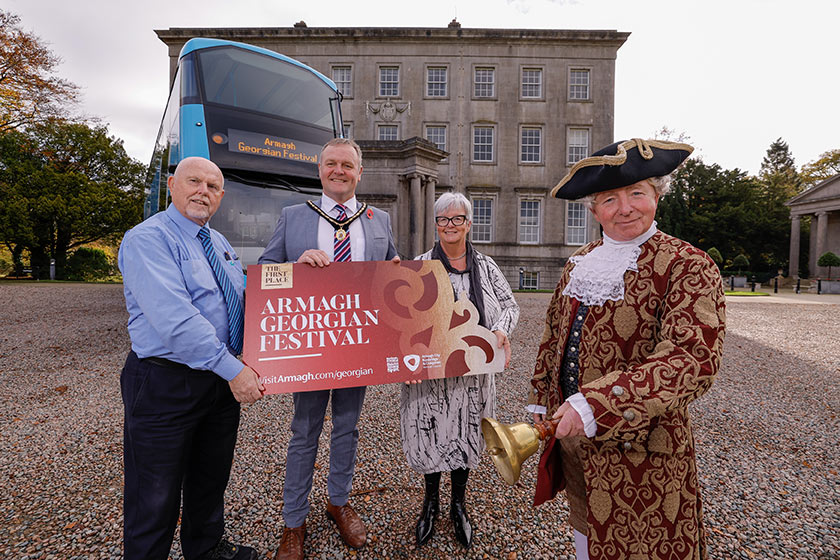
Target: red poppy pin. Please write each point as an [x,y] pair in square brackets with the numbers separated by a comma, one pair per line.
[370,213]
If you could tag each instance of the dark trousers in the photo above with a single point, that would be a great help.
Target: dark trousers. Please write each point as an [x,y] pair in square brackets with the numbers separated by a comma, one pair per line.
[180,433]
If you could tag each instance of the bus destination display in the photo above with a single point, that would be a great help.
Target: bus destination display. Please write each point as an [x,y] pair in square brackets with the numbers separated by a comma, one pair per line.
[272,146]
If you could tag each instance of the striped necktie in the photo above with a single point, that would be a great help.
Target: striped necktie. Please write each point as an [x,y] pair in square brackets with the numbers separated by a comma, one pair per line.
[234,305]
[341,247]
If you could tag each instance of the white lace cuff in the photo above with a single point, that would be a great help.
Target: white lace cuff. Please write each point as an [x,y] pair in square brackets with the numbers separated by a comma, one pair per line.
[535,409]
[578,402]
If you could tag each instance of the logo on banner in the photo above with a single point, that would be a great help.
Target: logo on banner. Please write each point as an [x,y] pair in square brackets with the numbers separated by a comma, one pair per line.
[412,362]
[276,276]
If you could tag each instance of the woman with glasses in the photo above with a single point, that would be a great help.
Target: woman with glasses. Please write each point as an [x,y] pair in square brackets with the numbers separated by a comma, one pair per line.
[440,419]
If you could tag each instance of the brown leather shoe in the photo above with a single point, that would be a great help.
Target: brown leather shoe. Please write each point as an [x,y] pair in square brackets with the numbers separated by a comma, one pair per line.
[291,544]
[350,526]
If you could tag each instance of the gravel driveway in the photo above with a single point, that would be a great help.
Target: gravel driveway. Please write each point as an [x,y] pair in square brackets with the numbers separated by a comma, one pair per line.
[767,437]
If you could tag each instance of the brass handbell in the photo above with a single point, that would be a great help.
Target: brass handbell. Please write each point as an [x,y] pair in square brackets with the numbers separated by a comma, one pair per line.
[510,444]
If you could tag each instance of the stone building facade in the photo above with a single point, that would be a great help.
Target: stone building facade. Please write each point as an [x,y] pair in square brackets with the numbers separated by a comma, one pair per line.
[822,204]
[512,109]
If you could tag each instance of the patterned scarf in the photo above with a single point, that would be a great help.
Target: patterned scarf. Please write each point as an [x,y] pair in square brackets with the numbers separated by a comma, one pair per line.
[476,294]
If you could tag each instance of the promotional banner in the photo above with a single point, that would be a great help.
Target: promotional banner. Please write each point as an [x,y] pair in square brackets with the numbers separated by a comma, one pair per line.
[360,323]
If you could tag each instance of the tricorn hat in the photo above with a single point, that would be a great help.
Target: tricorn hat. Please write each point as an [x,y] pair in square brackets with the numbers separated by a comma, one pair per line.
[619,165]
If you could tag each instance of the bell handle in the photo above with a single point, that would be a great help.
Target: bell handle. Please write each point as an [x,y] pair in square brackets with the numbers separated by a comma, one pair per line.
[546,428]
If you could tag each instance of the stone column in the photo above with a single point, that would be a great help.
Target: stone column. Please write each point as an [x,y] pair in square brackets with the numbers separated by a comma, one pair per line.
[822,229]
[415,216]
[793,265]
[429,238]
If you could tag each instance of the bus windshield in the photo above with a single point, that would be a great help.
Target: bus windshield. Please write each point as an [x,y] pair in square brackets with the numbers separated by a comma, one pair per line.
[248,215]
[262,118]
[249,80]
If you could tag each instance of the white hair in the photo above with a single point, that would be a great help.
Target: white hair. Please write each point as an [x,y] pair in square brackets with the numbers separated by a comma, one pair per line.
[450,200]
[660,184]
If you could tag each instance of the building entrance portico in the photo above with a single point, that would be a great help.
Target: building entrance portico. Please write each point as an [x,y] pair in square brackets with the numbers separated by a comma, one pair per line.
[822,204]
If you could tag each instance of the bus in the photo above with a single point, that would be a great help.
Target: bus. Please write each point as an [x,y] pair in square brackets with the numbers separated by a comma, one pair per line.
[262,118]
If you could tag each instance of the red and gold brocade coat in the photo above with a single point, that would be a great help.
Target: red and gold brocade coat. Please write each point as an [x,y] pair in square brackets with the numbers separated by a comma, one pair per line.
[642,361]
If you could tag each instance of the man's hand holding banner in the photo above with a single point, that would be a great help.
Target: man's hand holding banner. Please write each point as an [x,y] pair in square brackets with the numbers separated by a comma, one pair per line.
[360,323]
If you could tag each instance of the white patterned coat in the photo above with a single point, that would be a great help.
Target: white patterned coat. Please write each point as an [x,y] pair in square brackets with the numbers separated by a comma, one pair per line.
[440,419]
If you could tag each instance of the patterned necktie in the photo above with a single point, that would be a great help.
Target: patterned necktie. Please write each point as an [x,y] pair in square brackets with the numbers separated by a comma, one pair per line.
[234,306]
[341,247]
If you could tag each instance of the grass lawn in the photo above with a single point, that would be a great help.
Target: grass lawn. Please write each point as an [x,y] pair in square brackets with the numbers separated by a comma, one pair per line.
[748,294]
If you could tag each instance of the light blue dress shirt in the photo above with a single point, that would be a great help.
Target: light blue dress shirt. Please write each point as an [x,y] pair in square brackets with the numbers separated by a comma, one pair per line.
[176,309]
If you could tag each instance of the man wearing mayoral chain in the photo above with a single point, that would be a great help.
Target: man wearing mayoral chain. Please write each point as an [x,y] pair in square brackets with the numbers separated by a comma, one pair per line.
[336,228]
[633,335]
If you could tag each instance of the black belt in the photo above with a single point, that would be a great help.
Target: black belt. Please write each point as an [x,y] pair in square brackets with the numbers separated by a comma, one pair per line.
[163,362]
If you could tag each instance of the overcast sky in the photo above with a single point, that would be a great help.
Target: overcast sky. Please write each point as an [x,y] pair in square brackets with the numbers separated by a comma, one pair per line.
[733,75]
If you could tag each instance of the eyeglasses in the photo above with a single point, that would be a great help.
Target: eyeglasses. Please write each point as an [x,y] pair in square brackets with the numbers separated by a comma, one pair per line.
[443,221]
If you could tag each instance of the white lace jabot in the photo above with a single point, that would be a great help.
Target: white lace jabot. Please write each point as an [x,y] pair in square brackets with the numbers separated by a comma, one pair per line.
[598,276]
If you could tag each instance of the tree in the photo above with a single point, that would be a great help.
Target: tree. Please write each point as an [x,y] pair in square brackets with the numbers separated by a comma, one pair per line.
[715,255]
[727,209]
[740,263]
[65,185]
[29,90]
[828,259]
[710,207]
[778,170]
[827,165]
[87,264]
[19,166]
[671,135]
[780,181]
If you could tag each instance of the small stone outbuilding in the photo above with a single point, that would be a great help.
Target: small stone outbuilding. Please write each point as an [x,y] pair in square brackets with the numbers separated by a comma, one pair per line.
[822,203]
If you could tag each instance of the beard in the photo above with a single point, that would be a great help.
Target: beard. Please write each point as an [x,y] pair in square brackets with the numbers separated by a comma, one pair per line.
[197,211]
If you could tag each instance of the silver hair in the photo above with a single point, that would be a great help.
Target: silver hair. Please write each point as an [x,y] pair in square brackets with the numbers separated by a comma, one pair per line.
[450,200]
[660,184]
[342,142]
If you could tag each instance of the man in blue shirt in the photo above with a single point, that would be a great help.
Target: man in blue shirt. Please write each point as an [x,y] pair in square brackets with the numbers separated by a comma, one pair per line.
[182,382]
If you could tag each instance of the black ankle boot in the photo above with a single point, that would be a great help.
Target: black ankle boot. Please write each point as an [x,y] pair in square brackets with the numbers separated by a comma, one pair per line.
[458,511]
[425,527]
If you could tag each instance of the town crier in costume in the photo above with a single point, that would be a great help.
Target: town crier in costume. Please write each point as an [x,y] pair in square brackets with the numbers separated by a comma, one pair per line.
[634,334]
